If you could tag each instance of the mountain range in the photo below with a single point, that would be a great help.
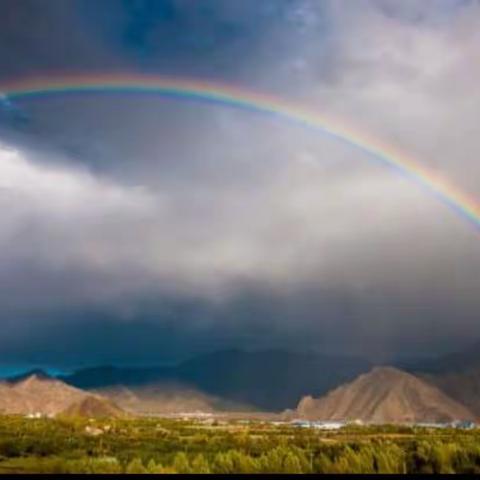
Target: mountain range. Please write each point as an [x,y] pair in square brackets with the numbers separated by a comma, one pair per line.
[307,384]
[269,380]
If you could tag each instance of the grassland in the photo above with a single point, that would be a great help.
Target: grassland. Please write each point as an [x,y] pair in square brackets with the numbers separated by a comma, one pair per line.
[177,446]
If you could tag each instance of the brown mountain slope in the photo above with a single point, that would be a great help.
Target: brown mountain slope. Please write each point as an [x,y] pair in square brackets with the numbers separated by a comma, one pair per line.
[37,394]
[93,406]
[385,395]
[11,401]
[47,396]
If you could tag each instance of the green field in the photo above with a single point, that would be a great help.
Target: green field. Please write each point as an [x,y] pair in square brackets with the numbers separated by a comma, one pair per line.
[170,446]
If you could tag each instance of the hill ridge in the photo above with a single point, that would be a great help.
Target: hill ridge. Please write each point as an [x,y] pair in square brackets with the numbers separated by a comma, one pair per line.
[385,395]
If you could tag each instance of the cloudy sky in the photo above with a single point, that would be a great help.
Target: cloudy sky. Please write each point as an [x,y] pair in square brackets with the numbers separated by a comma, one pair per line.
[137,229]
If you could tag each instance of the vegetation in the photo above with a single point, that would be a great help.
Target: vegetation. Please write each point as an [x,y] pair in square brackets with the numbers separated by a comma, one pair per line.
[174,446]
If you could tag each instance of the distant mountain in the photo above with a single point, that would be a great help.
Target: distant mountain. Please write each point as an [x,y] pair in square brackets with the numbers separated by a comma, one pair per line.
[167,398]
[270,380]
[456,362]
[464,387]
[457,374]
[39,393]
[37,373]
[385,395]
[107,376]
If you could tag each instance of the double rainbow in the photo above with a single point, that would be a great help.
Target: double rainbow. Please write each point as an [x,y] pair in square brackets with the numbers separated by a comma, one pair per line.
[460,202]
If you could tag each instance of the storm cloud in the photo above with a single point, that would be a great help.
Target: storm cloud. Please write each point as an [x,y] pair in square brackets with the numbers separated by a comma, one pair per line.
[126,219]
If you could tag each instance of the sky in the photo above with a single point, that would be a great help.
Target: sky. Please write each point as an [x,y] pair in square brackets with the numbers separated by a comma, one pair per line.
[141,230]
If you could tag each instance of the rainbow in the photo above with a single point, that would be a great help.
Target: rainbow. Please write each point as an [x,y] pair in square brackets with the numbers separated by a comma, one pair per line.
[461,203]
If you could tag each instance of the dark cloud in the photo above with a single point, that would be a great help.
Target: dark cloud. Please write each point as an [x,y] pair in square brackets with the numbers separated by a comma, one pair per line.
[137,229]
[39,37]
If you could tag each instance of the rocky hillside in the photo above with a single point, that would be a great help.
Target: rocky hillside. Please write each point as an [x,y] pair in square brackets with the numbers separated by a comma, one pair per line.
[385,395]
[41,394]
